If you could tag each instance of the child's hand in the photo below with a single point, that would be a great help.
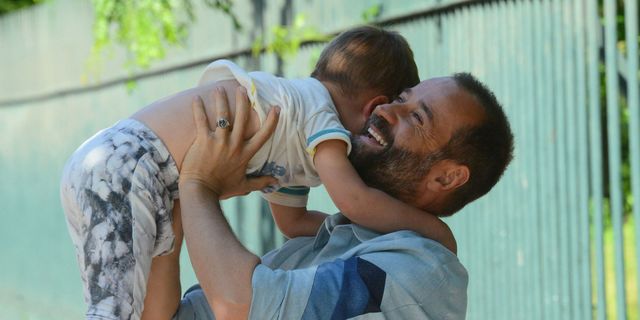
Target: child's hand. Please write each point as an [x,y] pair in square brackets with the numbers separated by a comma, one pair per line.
[218,159]
[447,239]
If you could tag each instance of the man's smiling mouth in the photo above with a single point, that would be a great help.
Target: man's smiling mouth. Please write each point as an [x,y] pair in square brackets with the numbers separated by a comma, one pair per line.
[377,136]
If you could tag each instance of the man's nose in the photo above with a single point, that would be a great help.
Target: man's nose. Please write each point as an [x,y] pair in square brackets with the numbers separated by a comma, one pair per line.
[388,112]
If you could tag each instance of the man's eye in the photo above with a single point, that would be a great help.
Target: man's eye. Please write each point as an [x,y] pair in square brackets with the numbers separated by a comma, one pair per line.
[399,99]
[418,117]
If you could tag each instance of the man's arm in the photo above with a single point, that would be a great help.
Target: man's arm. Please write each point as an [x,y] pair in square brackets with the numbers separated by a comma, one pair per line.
[371,207]
[296,221]
[222,264]
[214,167]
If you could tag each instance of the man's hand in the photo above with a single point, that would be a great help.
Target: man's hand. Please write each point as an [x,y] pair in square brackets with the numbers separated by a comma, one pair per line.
[217,160]
[214,167]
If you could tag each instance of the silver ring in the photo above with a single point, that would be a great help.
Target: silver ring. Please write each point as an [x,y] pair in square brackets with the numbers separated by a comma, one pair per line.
[223,123]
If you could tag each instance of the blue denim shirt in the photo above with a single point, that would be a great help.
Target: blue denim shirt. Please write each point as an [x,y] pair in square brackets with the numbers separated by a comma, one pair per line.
[349,272]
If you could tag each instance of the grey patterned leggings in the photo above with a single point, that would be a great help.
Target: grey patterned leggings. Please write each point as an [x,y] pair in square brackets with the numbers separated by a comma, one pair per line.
[117,192]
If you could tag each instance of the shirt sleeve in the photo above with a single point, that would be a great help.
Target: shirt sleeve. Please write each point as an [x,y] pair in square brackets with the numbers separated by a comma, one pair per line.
[323,126]
[340,289]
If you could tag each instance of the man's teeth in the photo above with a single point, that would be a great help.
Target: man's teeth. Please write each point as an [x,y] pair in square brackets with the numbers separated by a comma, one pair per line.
[377,137]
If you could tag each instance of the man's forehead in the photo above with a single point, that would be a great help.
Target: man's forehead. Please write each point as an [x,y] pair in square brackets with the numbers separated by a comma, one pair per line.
[431,88]
[443,95]
[434,93]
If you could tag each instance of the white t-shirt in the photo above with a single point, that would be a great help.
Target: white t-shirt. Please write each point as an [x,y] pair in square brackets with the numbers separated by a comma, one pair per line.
[307,117]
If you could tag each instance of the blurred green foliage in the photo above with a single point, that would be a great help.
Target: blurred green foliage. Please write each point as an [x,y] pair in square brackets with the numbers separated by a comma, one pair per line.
[285,41]
[372,13]
[145,28]
[7,6]
[628,200]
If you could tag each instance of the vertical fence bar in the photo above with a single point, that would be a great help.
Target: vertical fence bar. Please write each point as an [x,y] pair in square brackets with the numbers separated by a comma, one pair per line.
[560,171]
[631,27]
[442,43]
[465,28]
[539,156]
[540,143]
[571,127]
[514,228]
[444,26]
[550,283]
[501,238]
[583,239]
[505,233]
[529,297]
[614,148]
[595,155]
[525,236]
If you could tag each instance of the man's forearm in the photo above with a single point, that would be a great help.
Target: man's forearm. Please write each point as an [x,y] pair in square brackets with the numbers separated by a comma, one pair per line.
[223,266]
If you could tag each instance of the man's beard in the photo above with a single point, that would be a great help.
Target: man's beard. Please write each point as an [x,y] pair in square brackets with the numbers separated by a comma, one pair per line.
[393,170]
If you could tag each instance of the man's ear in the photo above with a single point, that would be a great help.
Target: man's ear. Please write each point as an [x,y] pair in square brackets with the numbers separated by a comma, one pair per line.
[447,175]
[372,104]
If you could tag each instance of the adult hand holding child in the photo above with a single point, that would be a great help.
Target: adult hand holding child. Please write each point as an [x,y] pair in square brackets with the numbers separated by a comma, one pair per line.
[218,158]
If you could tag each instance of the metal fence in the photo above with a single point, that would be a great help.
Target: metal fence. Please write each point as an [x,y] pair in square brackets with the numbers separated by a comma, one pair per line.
[556,238]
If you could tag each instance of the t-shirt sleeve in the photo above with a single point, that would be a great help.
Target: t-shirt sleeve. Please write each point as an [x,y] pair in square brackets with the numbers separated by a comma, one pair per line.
[339,289]
[323,126]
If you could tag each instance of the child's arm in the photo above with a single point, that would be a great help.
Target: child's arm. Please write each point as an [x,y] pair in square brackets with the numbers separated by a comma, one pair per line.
[296,222]
[371,207]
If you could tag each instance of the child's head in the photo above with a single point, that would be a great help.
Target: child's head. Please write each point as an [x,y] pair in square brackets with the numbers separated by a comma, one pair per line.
[366,59]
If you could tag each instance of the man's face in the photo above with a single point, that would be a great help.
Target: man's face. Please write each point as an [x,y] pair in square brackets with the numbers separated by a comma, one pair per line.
[402,140]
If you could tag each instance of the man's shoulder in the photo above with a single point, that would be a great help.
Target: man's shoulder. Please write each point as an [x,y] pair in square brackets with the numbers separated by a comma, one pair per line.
[393,251]
[410,244]
[419,270]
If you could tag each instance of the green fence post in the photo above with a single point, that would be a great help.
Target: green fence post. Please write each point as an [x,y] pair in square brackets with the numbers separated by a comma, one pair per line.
[631,27]
[614,148]
[535,98]
[596,158]
[571,150]
[560,170]
[583,238]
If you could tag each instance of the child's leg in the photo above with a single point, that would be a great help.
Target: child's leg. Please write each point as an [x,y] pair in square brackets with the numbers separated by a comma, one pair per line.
[119,215]
[163,287]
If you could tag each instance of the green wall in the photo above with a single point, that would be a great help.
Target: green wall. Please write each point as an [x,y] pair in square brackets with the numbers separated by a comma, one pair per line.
[527,245]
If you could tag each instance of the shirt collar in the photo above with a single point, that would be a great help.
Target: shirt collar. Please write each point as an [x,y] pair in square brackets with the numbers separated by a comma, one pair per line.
[338,220]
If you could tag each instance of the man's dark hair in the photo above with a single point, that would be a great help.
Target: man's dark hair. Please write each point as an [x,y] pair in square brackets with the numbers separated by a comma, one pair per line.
[365,58]
[486,148]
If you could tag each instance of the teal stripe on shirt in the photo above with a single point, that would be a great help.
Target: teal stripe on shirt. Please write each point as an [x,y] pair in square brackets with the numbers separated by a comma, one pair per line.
[327,131]
[296,191]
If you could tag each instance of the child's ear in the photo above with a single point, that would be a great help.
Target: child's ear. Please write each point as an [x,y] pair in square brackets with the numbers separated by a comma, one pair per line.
[372,104]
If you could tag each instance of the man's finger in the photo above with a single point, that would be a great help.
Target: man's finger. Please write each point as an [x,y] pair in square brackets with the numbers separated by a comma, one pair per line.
[264,133]
[242,114]
[199,117]
[222,112]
